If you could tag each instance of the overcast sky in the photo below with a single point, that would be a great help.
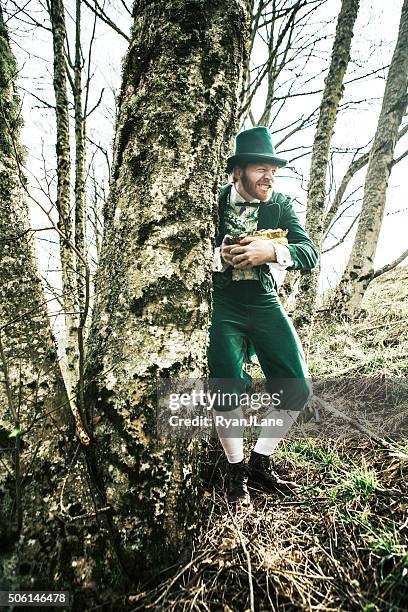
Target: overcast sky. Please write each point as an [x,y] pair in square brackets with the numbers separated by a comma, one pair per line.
[373,44]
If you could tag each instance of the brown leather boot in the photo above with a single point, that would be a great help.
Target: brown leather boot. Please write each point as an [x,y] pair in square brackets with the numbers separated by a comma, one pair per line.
[237,484]
[264,478]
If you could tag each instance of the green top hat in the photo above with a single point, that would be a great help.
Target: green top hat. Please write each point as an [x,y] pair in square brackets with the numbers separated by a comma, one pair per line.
[254,145]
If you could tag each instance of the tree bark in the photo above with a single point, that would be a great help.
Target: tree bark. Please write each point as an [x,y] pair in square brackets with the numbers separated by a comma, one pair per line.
[177,113]
[359,271]
[36,430]
[53,530]
[316,199]
[65,223]
[80,162]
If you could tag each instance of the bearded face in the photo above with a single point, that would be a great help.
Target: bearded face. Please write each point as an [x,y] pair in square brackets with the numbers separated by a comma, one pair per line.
[256,181]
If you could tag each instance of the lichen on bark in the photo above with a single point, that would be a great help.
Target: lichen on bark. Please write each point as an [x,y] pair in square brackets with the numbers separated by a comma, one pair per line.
[316,198]
[63,201]
[177,109]
[43,479]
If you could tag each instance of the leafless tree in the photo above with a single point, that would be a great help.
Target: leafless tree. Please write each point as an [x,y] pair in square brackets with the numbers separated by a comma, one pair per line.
[360,268]
[153,284]
[321,150]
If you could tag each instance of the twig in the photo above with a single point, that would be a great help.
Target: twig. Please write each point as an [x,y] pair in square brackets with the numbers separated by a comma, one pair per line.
[248,558]
[359,426]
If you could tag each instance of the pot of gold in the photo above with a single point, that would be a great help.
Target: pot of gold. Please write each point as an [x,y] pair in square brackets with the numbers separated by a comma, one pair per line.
[277,235]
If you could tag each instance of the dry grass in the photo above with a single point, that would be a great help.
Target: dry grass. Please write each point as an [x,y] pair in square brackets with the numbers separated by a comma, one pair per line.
[342,543]
[376,344]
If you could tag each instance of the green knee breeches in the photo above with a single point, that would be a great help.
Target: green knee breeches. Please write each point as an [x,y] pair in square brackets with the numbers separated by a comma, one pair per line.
[245,315]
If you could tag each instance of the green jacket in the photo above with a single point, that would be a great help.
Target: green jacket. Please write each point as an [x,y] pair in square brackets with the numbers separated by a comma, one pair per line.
[278,212]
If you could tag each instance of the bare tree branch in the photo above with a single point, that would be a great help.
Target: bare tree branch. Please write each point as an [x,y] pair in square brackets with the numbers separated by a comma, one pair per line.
[99,12]
[391,265]
[354,167]
[342,239]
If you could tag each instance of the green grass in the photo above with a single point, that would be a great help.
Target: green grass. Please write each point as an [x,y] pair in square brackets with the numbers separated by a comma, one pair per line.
[349,523]
[361,482]
[387,541]
[305,451]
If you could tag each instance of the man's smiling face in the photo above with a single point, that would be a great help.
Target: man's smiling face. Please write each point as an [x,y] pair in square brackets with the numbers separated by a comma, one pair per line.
[255,181]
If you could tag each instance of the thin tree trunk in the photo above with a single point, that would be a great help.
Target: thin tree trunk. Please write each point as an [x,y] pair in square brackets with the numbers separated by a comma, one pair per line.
[253,21]
[332,94]
[360,268]
[177,113]
[287,289]
[80,162]
[82,270]
[68,259]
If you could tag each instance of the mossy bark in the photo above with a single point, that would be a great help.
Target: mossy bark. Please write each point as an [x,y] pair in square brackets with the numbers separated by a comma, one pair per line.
[360,268]
[177,110]
[65,221]
[52,529]
[80,163]
[33,401]
[316,200]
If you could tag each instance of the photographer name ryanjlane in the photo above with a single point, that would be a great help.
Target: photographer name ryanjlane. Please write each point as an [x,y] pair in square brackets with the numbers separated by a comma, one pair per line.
[206,421]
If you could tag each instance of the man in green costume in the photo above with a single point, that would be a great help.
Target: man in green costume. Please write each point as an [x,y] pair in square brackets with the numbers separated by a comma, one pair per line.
[247,313]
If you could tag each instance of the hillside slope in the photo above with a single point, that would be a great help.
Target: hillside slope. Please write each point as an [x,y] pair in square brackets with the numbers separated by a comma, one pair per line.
[342,543]
[376,344]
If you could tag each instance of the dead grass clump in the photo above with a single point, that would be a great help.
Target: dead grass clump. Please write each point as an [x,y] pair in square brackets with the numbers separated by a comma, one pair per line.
[340,545]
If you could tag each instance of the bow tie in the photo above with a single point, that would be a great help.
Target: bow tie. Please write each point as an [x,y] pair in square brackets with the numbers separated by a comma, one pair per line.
[241,204]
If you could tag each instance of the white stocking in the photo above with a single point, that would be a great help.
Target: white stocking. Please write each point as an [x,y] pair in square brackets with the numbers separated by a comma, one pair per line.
[231,436]
[270,436]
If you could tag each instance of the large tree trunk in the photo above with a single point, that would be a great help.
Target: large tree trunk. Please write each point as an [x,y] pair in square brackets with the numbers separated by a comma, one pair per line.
[53,535]
[316,199]
[177,109]
[33,402]
[359,270]
[68,259]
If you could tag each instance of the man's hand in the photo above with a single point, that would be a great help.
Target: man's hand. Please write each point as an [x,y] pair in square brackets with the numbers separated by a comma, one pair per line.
[251,251]
[226,250]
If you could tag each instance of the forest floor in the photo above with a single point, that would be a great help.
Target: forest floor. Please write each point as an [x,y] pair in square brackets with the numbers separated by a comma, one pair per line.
[341,544]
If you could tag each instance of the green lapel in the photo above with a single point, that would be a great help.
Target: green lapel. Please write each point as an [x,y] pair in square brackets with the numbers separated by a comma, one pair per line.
[277,213]
[269,212]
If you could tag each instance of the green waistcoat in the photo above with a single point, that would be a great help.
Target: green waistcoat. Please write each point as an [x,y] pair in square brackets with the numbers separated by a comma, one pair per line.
[278,212]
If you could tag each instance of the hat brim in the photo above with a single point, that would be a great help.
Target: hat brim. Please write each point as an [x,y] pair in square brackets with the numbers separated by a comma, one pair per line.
[251,158]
